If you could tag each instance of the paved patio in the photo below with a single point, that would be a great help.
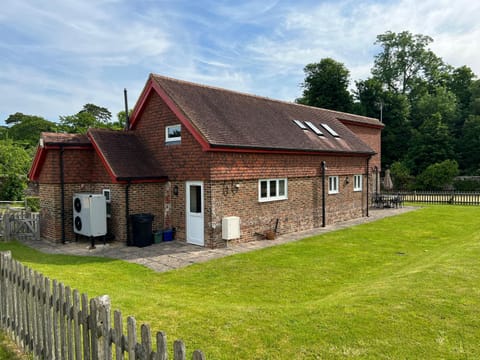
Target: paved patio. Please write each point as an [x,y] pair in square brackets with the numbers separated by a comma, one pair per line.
[171,255]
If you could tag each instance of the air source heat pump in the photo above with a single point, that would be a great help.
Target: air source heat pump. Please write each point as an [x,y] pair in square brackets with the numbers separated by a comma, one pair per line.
[89,214]
[230,228]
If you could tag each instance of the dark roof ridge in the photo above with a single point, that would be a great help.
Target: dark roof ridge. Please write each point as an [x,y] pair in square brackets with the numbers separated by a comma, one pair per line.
[259,96]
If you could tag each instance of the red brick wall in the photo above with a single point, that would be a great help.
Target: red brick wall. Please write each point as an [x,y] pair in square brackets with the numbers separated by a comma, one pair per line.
[371,137]
[183,161]
[80,166]
[301,211]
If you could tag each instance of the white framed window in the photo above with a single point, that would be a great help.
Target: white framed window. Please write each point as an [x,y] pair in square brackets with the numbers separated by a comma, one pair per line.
[333,184]
[357,182]
[272,189]
[173,133]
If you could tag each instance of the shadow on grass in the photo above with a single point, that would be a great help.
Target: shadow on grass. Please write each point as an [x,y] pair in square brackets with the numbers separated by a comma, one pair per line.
[26,254]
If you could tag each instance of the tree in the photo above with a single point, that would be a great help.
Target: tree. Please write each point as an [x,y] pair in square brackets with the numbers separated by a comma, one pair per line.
[460,83]
[102,115]
[405,62]
[401,175]
[326,86]
[437,176]
[469,146]
[91,116]
[27,128]
[440,101]
[14,165]
[432,143]
[122,119]
[78,123]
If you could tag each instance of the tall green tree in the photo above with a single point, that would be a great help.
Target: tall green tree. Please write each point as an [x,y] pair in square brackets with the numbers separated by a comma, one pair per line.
[431,143]
[440,101]
[91,116]
[26,129]
[393,109]
[460,83]
[406,63]
[469,146]
[14,165]
[102,115]
[326,86]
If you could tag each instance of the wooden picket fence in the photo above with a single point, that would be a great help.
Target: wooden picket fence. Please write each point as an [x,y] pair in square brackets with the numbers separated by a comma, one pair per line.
[51,321]
[19,224]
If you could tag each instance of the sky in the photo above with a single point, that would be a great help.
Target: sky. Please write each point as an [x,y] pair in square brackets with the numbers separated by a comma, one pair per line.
[57,55]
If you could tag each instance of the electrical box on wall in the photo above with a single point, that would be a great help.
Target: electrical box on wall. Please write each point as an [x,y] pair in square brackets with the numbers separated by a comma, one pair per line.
[89,214]
[230,228]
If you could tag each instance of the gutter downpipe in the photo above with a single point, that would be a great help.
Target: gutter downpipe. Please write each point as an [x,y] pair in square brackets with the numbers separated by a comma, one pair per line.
[368,182]
[62,186]
[127,211]
[324,168]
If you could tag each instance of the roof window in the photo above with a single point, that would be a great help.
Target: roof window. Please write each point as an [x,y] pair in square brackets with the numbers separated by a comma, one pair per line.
[314,128]
[330,130]
[300,124]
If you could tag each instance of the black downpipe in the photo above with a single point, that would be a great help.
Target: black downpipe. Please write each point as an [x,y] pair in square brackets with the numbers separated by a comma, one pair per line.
[127,118]
[127,212]
[324,168]
[368,183]
[62,186]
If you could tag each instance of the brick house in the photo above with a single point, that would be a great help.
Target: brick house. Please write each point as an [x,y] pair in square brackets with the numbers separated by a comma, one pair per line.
[193,155]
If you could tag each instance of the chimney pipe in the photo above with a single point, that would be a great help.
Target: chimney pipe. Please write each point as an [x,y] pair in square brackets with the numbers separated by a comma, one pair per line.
[127,120]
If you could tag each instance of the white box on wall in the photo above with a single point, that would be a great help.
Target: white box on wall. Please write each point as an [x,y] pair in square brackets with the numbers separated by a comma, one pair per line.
[230,228]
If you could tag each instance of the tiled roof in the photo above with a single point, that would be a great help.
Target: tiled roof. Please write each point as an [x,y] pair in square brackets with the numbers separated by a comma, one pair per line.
[229,119]
[50,138]
[125,156]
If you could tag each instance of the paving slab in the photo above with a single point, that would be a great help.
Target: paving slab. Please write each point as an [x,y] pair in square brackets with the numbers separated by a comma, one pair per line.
[176,254]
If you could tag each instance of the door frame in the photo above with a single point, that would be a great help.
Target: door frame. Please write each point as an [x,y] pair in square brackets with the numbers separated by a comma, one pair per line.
[195,236]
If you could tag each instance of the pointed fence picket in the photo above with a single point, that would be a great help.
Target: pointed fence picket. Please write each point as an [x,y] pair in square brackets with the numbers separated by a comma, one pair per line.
[49,320]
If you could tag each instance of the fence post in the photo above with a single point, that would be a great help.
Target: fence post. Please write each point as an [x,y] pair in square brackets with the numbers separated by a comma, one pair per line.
[179,350]
[198,355]
[101,323]
[6,219]
[162,350]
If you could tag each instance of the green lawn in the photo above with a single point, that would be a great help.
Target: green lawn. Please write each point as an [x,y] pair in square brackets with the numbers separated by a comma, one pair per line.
[406,287]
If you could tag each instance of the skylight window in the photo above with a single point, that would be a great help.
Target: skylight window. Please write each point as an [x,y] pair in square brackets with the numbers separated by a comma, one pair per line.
[300,124]
[315,129]
[330,130]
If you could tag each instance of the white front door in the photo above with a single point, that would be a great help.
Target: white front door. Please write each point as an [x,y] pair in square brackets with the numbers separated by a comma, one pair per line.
[195,222]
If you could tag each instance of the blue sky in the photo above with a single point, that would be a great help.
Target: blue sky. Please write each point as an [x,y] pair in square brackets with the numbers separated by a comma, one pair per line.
[57,55]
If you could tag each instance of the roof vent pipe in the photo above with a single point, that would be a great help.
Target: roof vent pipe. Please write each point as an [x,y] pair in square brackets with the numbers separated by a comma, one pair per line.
[127,120]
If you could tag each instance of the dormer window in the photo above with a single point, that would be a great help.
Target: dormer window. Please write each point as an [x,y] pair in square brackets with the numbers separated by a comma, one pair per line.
[173,133]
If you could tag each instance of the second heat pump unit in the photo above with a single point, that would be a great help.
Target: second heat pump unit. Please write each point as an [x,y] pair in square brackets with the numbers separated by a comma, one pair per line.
[89,214]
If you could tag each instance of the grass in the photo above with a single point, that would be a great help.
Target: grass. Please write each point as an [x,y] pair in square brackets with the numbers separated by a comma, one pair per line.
[9,350]
[400,288]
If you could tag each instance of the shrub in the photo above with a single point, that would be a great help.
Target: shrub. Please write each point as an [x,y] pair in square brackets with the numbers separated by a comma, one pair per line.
[437,176]
[12,188]
[466,185]
[33,202]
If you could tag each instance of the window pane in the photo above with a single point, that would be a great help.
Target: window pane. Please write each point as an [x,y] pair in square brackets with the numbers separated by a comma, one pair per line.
[281,187]
[273,187]
[263,189]
[174,131]
[195,199]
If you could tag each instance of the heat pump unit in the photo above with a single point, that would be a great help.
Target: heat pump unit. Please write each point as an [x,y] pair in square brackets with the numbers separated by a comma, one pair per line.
[230,228]
[89,214]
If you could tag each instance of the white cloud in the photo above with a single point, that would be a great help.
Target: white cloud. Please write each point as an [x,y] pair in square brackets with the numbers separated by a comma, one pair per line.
[61,54]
